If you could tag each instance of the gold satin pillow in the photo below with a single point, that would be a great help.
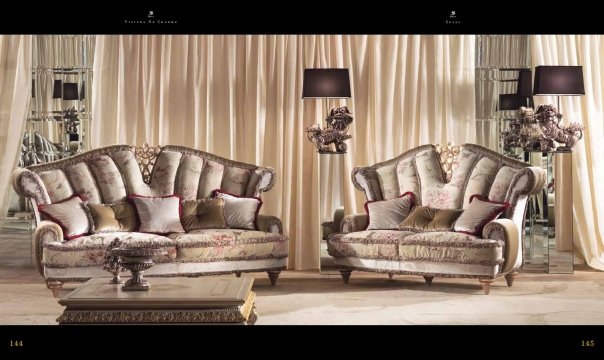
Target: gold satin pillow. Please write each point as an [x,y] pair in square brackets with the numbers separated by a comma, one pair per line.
[203,214]
[111,218]
[424,218]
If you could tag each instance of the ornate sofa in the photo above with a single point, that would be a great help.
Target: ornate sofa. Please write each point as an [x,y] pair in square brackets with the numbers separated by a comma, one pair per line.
[108,175]
[443,177]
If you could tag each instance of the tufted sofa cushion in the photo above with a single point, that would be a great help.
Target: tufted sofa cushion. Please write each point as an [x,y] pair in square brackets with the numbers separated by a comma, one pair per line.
[424,218]
[473,170]
[109,175]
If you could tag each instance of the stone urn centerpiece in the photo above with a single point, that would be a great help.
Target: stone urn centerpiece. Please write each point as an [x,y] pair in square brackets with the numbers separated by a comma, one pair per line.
[137,261]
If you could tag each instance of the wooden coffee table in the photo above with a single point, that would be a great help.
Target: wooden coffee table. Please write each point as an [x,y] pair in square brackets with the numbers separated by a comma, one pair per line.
[204,300]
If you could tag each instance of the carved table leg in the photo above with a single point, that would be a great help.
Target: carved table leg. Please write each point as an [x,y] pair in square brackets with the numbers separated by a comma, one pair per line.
[486,285]
[273,275]
[238,273]
[429,280]
[509,278]
[390,275]
[55,286]
[345,275]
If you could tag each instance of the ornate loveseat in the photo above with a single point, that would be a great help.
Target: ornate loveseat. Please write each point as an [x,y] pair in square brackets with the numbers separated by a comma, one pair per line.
[110,174]
[443,177]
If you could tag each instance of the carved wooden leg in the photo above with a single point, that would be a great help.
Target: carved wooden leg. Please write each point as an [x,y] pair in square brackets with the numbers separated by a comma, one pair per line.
[345,275]
[238,273]
[429,280]
[390,275]
[55,286]
[509,278]
[486,285]
[273,275]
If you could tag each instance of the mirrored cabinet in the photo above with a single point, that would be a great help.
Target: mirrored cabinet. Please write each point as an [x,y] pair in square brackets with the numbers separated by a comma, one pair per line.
[58,124]
[548,245]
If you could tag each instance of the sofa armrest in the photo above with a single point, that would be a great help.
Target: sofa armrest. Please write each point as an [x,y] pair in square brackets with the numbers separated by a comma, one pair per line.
[46,232]
[507,231]
[269,224]
[334,226]
[353,223]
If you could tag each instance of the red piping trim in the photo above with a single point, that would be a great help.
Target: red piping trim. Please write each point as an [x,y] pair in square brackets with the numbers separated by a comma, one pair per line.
[492,216]
[58,222]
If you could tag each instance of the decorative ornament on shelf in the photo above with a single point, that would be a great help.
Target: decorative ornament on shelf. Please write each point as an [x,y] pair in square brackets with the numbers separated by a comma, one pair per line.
[70,117]
[113,263]
[335,133]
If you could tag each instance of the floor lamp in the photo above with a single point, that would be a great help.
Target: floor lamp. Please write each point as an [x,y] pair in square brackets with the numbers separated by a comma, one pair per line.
[329,83]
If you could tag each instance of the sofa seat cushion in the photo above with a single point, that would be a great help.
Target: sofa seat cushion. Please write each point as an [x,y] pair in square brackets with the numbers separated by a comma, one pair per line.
[447,246]
[208,245]
[90,250]
[442,246]
[368,244]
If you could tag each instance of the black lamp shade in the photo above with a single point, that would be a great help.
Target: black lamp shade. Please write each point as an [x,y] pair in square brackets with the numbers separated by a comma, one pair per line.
[57,89]
[326,83]
[525,83]
[70,91]
[559,80]
[513,102]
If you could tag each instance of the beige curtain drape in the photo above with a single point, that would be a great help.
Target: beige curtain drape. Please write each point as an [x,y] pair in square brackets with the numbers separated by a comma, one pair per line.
[15,92]
[240,97]
[587,171]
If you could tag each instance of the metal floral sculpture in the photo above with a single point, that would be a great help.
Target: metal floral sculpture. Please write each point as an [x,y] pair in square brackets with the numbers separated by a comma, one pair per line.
[113,264]
[335,133]
[549,121]
[541,130]
[519,131]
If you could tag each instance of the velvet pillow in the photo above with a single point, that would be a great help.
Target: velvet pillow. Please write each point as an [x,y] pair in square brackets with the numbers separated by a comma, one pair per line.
[158,215]
[111,218]
[240,212]
[478,214]
[424,218]
[203,214]
[388,214]
[69,215]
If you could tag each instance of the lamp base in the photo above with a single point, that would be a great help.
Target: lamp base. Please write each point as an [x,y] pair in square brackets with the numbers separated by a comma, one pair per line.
[563,149]
[331,152]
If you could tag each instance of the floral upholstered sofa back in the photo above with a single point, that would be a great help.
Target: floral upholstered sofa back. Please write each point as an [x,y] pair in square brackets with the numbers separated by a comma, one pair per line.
[445,177]
[109,174]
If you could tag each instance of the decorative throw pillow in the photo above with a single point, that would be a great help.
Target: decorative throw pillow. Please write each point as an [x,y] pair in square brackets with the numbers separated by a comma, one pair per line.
[203,214]
[388,214]
[111,218]
[424,218]
[239,212]
[158,215]
[70,216]
[478,214]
